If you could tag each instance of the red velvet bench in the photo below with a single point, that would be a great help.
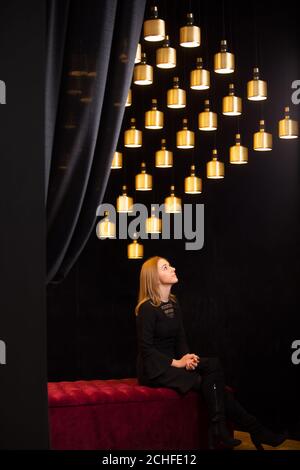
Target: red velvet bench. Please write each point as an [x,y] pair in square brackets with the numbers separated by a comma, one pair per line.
[120,414]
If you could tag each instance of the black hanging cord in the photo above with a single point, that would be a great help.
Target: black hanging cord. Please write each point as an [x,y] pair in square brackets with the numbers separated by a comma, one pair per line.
[256,40]
[223,19]
[173,148]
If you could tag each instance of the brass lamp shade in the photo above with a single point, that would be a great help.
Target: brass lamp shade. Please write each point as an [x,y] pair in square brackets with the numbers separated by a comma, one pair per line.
[154,29]
[190,35]
[132,136]
[124,202]
[154,119]
[172,203]
[166,56]
[192,183]
[143,181]
[138,55]
[129,98]
[143,73]
[176,97]
[238,154]
[207,120]
[262,141]
[105,228]
[199,78]
[224,61]
[163,157]
[185,139]
[231,105]
[256,88]
[135,250]
[214,168]
[153,224]
[287,127]
[117,161]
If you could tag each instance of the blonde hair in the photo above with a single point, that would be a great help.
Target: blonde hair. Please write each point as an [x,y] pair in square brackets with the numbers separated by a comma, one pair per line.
[149,281]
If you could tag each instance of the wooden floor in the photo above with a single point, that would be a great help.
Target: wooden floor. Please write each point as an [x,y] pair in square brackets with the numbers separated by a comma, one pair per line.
[247,444]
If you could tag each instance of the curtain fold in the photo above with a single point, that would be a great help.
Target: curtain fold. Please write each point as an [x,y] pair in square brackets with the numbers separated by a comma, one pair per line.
[57,14]
[99,54]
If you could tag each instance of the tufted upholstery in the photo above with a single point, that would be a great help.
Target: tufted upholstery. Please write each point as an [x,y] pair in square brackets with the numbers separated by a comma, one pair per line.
[104,391]
[120,414]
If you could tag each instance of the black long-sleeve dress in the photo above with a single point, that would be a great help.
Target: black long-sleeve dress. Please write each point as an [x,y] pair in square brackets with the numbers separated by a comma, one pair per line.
[161,338]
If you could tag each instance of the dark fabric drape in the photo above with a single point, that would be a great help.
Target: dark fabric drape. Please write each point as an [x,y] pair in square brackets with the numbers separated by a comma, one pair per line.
[57,14]
[99,54]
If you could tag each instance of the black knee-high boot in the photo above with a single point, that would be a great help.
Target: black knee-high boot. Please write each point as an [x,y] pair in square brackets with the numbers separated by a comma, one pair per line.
[247,422]
[212,387]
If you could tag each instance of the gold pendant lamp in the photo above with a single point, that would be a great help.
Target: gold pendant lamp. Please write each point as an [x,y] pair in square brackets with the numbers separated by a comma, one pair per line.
[238,154]
[262,140]
[124,202]
[256,88]
[185,139]
[192,183]
[138,54]
[232,105]
[132,137]
[207,120]
[199,78]
[214,168]
[153,223]
[224,60]
[154,28]
[117,161]
[105,228]
[172,203]
[163,157]
[129,99]
[287,127]
[143,181]
[135,250]
[176,97]
[143,73]
[154,119]
[166,55]
[190,35]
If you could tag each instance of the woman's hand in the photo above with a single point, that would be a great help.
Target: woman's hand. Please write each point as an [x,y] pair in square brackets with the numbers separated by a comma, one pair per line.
[189,361]
[192,361]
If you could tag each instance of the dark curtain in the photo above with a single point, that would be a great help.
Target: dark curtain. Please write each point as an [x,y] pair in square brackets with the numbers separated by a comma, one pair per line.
[98,43]
[57,15]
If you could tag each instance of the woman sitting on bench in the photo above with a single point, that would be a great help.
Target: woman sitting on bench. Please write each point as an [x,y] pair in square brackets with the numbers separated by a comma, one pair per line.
[165,360]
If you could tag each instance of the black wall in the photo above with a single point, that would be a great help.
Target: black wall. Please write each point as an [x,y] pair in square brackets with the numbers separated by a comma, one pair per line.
[23,392]
[240,292]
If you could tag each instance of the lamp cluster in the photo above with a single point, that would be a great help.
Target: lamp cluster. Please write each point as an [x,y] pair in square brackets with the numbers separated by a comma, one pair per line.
[199,79]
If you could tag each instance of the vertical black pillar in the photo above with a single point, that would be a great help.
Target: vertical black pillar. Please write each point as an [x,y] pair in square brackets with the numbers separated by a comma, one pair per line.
[23,397]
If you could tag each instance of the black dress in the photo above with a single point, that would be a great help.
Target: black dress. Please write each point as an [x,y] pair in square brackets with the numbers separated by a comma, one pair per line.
[161,338]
